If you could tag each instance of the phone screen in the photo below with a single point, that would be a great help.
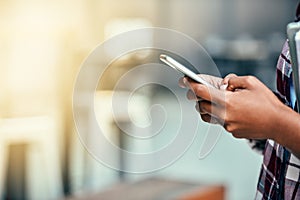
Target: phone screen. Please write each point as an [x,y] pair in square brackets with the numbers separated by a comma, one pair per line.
[179,67]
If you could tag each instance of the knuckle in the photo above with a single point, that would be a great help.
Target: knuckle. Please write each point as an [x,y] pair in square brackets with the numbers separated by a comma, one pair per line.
[250,79]
[229,128]
[231,75]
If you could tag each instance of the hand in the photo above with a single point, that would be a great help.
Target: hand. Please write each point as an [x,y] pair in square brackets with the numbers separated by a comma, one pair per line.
[217,82]
[248,109]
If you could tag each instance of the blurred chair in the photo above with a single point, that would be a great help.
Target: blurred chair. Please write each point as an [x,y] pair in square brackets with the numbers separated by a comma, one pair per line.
[43,173]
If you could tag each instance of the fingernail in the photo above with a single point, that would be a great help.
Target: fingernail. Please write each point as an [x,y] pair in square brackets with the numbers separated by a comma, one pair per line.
[223,87]
[230,88]
[185,81]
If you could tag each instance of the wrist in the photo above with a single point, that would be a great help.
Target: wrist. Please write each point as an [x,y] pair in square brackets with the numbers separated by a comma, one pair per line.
[285,125]
[279,122]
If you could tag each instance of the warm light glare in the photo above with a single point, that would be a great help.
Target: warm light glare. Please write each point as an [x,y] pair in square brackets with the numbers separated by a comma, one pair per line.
[121,25]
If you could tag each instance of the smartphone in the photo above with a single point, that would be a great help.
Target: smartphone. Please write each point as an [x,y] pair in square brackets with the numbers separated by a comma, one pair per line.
[294,41]
[179,67]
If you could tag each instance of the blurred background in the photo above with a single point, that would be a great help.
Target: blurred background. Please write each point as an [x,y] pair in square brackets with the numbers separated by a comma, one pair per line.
[42,46]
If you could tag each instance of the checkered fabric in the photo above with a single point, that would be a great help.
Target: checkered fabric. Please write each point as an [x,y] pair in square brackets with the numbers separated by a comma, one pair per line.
[280,173]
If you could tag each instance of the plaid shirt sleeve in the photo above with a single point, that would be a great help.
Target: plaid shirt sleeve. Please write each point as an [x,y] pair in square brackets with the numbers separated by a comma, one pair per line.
[280,173]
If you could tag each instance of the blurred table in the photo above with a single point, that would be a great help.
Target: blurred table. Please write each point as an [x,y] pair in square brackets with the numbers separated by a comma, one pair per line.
[158,189]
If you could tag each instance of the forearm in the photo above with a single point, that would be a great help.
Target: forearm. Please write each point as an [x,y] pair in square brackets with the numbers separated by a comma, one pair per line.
[287,132]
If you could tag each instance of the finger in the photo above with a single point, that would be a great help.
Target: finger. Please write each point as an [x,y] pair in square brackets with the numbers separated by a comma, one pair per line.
[181,83]
[209,119]
[207,93]
[197,106]
[224,83]
[206,117]
[223,87]
[212,109]
[191,96]
[241,82]
[227,77]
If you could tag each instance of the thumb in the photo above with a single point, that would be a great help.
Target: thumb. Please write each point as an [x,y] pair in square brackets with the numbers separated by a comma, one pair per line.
[240,82]
[227,77]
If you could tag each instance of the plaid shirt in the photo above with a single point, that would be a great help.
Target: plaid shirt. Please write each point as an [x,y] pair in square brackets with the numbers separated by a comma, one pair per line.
[280,173]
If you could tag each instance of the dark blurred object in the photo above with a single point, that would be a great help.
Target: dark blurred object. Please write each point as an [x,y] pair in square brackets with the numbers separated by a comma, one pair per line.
[298,13]
[15,181]
[159,189]
[258,145]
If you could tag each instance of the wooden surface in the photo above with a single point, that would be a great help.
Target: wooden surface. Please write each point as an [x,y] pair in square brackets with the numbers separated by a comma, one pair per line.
[157,189]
